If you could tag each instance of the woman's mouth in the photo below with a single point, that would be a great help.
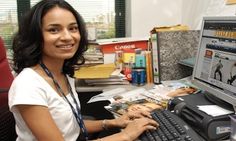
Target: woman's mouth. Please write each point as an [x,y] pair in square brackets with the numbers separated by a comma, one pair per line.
[65,46]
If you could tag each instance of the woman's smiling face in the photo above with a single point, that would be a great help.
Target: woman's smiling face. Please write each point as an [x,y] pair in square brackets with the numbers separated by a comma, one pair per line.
[61,34]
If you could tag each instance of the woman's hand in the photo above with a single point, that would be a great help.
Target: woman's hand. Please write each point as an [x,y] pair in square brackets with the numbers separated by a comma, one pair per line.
[137,114]
[123,120]
[134,128]
[137,126]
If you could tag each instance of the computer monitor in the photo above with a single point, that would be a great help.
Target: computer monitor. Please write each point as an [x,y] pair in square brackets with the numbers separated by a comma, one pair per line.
[215,64]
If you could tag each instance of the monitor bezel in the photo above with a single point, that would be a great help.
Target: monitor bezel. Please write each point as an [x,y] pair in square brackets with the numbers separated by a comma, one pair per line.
[224,95]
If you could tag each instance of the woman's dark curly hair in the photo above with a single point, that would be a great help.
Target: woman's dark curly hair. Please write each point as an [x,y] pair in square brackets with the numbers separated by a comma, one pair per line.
[28,41]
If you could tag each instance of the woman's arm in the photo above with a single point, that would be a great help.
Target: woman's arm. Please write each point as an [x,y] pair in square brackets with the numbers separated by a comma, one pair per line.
[99,125]
[40,122]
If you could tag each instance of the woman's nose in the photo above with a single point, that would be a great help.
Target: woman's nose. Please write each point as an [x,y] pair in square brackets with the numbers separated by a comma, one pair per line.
[66,35]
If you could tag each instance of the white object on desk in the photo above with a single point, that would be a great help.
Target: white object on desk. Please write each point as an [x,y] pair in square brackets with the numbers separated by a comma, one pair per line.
[109,58]
[107,95]
[214,110]
[125,94]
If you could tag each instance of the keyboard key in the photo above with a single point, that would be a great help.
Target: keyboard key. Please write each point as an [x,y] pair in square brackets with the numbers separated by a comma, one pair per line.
[170,129]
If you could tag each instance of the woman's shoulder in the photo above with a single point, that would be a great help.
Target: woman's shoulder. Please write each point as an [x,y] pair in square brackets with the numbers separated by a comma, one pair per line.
[26,73]
[27,76]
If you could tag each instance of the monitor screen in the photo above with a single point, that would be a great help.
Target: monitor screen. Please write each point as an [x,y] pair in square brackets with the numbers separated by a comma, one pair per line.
[215,65]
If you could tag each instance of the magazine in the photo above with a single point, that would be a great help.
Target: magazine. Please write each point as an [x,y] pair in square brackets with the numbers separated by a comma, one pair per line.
[120,107]
[137,99]
[119,93]
[122,100]
[180,87]
[169,89]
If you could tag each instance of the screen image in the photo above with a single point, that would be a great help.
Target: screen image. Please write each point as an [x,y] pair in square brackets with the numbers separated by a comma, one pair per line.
[215,66]
[223,69]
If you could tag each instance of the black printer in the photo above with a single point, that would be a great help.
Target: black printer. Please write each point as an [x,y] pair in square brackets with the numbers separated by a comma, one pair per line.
[209,127]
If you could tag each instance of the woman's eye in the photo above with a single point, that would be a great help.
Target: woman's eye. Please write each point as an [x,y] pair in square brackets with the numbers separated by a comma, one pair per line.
[53,30]
[74,29]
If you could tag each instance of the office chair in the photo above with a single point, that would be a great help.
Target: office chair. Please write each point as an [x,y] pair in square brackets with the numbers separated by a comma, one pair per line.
[7,122]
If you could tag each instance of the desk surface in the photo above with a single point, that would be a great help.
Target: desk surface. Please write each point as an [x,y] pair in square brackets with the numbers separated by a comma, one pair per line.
[81,87]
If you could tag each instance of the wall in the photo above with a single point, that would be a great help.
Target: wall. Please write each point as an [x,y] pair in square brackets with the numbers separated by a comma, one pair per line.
[196,9]
[193,12]
[143,15]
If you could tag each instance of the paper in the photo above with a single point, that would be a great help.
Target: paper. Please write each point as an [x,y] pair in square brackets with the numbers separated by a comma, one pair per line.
[111,95]
[109,58]
[214,110]
[107,95]
[98,71]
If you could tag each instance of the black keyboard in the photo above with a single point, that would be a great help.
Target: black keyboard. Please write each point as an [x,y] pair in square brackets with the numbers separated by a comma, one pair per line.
[171,128]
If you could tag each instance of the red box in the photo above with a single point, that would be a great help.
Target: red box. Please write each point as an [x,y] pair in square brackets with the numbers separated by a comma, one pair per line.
[112,45]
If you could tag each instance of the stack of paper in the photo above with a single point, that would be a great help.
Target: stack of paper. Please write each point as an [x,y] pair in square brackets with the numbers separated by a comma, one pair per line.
[107,81]
[105,74]
[97,71]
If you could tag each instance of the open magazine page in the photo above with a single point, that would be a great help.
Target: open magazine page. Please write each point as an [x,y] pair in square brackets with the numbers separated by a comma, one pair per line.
[180,87]
[169,89]
[120,107]
[158,97]
[136,99]
[107,95]
[119,93]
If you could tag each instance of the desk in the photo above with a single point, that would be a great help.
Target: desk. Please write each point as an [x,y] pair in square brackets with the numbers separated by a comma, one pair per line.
[85,93]
[97,109]
[82,87]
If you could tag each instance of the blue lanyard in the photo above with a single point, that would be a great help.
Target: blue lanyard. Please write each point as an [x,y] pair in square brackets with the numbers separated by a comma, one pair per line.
[76,114]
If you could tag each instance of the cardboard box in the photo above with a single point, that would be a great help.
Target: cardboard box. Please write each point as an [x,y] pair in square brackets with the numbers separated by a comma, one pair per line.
[177,27]
[113,45]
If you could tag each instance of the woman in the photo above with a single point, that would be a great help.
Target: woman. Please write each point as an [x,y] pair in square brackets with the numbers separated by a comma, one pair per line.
[50,41]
